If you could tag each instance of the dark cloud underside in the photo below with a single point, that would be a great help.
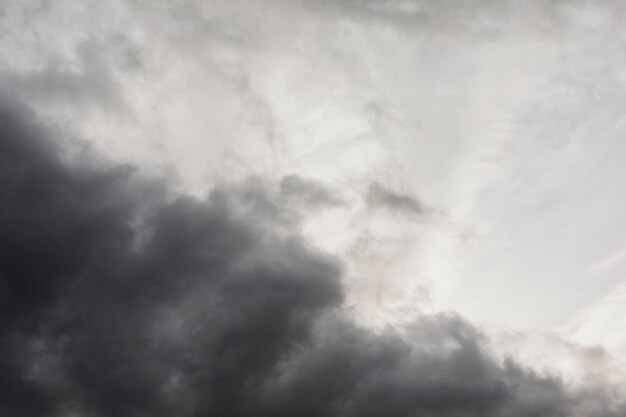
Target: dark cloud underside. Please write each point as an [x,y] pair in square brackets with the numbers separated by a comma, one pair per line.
[116,303]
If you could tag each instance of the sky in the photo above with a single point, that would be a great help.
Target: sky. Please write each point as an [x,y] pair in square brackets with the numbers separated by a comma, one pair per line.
[315,208]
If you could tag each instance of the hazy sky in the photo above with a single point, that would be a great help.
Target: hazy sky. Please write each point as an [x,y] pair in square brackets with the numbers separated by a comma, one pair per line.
[464,158]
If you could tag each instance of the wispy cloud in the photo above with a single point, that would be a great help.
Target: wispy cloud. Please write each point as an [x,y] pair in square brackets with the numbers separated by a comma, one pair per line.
[611,261]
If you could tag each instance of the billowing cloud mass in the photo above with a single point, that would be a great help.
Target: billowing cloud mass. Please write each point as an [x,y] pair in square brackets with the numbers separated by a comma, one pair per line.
[324,208]
[507,116]
[120,297]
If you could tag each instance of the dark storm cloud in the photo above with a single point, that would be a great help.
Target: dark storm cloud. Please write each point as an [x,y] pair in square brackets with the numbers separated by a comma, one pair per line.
[121,299]
[379,196]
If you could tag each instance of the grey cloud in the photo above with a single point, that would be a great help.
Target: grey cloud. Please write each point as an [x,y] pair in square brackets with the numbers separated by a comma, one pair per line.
[379,196]
[477,17]
[308,193]
[93,81]
[114,304]
[480,18]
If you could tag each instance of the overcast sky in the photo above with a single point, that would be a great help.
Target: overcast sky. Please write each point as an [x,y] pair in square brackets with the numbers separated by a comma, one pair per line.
[406,168]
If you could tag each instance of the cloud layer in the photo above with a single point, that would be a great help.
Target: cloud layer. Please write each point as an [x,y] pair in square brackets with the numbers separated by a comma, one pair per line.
[122,298]
[507,116]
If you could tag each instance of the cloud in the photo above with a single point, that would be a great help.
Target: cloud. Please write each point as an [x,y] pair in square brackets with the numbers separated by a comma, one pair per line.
[478,18]
[91,77]
[121,298]
[601,323]
[308,193]
[611,261]
[380,197]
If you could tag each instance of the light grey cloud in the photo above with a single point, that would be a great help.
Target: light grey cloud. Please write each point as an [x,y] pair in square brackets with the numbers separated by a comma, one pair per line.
[93,77]
[480,18]
[380,197]
[308,193]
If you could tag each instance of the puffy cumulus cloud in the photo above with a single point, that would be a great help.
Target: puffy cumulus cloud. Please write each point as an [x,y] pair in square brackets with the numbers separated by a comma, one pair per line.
[121,298]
